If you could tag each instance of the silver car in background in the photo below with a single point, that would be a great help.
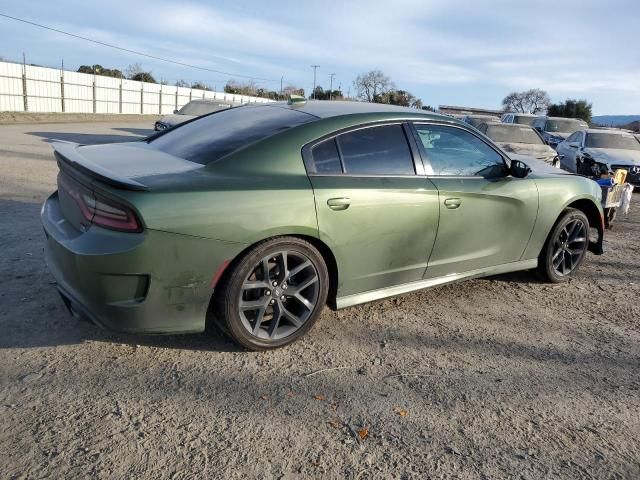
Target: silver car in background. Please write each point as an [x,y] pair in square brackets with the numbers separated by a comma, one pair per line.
[193,109]
[555,129]
[519,118]
[477,120]
[520,142]
[595,150]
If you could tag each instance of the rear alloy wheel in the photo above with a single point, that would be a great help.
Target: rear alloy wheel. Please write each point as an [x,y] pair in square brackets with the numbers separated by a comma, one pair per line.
[565,248]
[273,295]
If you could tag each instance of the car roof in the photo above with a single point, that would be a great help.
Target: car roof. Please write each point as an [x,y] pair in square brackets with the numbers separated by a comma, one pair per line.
[335,108]
[517,114]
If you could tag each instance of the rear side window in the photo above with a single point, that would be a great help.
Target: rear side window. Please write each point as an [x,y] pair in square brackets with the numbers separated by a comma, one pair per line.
[326,158]
[376,151]
[210,138]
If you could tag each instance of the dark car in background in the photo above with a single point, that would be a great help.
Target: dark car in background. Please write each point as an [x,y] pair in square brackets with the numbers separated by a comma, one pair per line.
[556,129]
[193,109]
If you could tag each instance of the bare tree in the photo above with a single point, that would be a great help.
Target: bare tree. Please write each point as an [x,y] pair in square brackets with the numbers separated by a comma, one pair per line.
[372,85]
[530,101]
[133,70]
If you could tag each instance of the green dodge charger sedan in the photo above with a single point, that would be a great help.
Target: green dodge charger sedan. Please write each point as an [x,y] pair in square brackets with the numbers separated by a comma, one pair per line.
[256,217]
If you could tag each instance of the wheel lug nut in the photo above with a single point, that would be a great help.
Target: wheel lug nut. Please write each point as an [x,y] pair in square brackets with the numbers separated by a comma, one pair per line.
[274,283]
[272,302]
[268,292]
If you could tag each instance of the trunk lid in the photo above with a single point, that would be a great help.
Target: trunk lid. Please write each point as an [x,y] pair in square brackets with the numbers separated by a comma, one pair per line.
[122,165]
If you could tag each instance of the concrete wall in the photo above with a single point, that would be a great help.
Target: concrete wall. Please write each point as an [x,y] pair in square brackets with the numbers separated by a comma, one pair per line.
[25,88]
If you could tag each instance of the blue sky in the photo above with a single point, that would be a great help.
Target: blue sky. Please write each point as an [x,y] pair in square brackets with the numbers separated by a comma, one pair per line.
[446,52]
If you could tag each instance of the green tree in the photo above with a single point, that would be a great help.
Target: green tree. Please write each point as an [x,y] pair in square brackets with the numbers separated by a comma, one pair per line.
[100,70]
[571,108]
[200,86]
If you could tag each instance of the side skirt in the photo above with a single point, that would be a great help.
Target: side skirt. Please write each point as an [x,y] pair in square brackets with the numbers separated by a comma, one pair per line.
[372,295]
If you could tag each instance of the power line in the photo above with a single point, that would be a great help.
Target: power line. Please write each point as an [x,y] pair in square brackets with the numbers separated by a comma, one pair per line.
[134,51]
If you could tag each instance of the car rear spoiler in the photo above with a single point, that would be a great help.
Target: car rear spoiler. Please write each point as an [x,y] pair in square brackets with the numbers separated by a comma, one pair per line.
[67,154]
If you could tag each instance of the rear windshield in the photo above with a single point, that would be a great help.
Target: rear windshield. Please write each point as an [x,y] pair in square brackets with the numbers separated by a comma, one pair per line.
[201,108]
[210,138]
[524,120]
[565,126]
[504,134]
[611,140]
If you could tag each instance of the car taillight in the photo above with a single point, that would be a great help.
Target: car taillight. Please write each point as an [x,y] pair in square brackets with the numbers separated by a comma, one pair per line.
[102,211]
[110,214]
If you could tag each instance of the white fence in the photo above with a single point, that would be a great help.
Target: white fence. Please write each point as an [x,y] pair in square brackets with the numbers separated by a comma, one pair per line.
[25,88]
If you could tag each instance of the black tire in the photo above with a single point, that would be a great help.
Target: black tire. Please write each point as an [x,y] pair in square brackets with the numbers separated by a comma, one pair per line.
[294,312]
[565,248]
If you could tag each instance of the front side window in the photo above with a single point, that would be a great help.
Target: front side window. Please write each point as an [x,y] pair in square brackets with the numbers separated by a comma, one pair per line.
[456,152]
[376,151]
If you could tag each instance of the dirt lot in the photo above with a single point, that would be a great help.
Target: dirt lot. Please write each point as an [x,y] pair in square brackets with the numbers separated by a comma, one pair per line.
[496,378]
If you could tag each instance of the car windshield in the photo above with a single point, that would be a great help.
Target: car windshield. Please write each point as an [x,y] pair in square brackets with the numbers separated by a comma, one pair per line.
[565,125]
[505,134]
[201,108]
[210,138]
[612,140]
[522,120]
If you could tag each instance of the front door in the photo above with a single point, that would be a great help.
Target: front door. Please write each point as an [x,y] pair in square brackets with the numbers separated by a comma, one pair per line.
[486,217]
[378,217]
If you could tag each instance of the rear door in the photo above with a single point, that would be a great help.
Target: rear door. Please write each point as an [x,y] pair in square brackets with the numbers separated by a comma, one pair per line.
[375,208]
[486,217]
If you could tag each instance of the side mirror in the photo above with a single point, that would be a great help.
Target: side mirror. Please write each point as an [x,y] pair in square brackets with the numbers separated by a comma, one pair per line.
[574,144]
[175,111]
[519,169]
[539,129]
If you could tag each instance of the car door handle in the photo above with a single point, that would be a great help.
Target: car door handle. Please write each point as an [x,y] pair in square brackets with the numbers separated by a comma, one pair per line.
[452,203]
[339,203]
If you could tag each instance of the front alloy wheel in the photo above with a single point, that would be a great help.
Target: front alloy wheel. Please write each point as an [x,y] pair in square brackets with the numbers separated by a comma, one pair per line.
[565,248]
[273,294]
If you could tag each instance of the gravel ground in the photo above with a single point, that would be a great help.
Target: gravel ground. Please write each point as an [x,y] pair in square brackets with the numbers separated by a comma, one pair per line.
[504,377]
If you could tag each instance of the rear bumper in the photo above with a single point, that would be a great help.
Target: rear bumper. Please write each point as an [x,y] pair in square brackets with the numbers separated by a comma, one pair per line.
[150,282]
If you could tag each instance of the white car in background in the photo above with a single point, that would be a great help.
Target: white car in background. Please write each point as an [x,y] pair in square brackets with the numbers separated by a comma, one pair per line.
[586,151]
[193,109]
[520,142]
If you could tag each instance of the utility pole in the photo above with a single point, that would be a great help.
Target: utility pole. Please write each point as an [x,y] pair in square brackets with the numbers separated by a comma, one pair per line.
[331,75]
[315,67]
[281,82]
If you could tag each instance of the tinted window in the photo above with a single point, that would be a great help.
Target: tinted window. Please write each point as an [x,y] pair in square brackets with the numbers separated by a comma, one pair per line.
[376,151]
[453,151]
[326,158]
[522,120]
[574,137]
[210,138]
